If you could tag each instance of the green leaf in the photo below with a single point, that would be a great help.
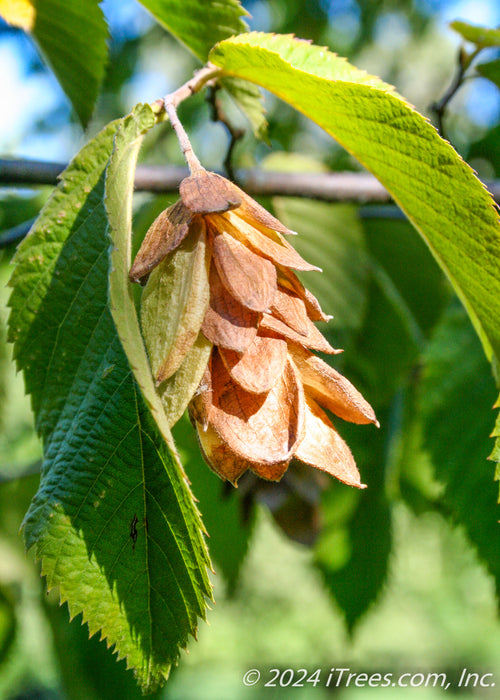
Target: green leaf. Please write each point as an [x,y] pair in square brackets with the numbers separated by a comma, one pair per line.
[228,524]
[88,669]
[434,187]
[420,288]
[249,99]
[199,24]
[72,39]
[481,36]
[405,295]
[351,553]
[495,455]
[490,70]
[456,399]
[330,236]
[119,195]
[113,521]
[8,622]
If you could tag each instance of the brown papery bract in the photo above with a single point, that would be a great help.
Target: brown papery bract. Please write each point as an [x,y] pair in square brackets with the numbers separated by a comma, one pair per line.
[248,277]
[291,309]
[290,281]
[270,245]
[207,193]
[330,388]
[166,233]
[261,428]
[258,369]
[314,339]
[228,323]
[323,448]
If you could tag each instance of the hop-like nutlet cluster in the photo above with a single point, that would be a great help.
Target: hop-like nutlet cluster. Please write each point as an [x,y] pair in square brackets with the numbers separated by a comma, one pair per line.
[230,331]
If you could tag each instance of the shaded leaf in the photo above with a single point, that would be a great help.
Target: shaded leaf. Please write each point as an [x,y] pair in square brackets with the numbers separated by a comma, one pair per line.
[405,297]
[8,622]
[199,24]
[112,507]
[354,546]
[330,235]
[228,524]
[88,669]
[495,455]
[456,400]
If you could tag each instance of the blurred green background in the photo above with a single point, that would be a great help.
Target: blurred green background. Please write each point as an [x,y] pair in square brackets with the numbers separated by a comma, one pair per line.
[402,578]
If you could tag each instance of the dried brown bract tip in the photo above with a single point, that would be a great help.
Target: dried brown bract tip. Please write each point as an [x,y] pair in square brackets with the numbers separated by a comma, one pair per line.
[230,333]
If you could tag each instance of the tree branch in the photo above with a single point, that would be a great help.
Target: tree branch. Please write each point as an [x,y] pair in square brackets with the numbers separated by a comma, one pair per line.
[361,188]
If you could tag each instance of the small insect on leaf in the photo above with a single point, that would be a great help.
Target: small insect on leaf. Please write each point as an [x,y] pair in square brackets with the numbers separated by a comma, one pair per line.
[133,530]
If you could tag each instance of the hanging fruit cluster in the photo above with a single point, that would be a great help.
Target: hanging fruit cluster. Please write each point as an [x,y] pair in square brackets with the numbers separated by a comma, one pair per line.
[230,332]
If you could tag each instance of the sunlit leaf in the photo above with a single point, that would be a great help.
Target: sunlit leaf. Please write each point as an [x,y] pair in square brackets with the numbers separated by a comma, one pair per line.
[113,506]
[435,188]
[199,24]
[19,13]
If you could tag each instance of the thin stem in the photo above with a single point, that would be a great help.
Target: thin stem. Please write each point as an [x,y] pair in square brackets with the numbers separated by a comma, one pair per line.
[463,63]
[184,142]
[235,134]
[171,102]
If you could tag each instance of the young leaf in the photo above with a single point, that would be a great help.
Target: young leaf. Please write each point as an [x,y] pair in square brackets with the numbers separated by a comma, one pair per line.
[199,24]
[491,71]
[438,191]
[113,521]
[72,38]
[456,400]
[481,36]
